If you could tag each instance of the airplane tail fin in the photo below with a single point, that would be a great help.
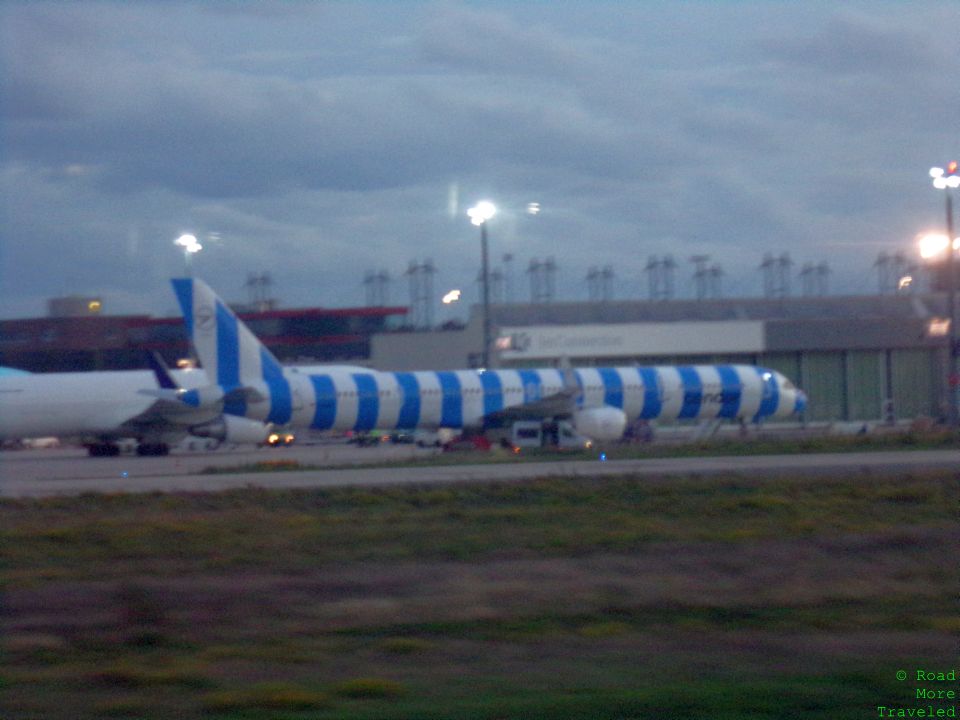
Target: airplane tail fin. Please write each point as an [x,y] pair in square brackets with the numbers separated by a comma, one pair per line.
[231,355]
[161,371]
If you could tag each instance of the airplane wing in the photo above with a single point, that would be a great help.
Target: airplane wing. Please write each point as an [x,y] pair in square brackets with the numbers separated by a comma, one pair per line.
[559,404]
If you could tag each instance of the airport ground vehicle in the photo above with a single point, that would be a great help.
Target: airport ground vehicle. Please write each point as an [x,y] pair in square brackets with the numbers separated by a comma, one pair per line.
[538,433]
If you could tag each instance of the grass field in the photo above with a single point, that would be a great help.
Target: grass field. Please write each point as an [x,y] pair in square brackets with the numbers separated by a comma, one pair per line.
[557,598]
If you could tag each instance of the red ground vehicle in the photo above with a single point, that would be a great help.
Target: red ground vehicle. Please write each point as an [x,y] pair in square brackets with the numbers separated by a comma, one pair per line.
[467,442]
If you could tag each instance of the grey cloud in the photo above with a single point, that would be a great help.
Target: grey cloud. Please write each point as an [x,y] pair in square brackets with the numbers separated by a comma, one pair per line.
[853,44]
[485,41]
[321,140]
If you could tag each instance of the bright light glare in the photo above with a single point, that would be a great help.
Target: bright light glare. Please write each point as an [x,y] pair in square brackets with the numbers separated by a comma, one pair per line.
[189,243]
[932,246]
[938,327]
[451,297]
[943,179]
[481,212]
[905,282]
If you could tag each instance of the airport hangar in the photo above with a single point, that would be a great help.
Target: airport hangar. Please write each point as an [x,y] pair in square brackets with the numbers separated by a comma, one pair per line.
[859,358]
[851,354]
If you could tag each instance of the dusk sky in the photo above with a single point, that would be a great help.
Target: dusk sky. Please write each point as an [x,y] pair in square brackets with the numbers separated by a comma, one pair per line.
[317,141]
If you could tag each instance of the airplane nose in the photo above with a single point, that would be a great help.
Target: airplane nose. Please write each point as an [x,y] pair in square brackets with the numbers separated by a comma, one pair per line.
[801,403]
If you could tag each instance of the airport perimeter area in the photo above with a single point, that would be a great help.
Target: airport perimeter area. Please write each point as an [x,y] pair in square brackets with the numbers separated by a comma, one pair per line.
[729,595]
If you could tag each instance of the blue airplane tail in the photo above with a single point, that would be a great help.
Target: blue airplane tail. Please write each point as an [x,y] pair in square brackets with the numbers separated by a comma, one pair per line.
[233,358]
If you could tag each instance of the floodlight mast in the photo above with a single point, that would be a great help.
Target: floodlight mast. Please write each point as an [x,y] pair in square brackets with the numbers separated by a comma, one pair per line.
[948,180]
[479,215]
[191,246]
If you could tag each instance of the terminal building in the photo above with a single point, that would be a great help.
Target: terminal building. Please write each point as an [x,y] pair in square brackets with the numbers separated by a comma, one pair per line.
[861,358]
[77,343]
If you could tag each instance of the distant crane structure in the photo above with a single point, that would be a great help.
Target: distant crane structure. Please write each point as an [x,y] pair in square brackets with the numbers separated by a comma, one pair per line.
[420,276]
[600,283]
[892,273]
[814,279]
[706,278]
[508,277]
[377,285]
[259,287]
[543,282]
[660,271]
[776,275]
[895,274]
[496,284]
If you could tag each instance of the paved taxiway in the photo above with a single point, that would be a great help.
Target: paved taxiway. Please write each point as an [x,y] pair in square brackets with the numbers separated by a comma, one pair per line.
[43,473]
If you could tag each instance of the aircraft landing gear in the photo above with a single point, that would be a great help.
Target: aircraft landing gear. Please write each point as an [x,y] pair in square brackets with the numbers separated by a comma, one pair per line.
[153,449]
[103,450]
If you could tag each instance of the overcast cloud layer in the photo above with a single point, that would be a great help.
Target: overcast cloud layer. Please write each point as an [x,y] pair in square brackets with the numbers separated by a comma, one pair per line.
[317,141]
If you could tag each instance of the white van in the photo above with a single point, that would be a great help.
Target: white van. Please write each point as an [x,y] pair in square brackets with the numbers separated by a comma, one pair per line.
[534,433]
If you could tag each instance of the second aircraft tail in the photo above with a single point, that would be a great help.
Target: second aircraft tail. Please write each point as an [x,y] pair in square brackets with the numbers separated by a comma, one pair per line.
[231,355]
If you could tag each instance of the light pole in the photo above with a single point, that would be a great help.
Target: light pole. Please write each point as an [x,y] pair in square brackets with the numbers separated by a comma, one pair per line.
[479,214]
[191,246]
[947,180]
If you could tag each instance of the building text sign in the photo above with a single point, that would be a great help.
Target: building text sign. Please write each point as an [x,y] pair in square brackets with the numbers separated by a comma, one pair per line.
[631,339]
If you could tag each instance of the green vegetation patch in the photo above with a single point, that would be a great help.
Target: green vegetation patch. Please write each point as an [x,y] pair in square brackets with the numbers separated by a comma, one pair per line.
[554,598]
[265,696]
[108,536]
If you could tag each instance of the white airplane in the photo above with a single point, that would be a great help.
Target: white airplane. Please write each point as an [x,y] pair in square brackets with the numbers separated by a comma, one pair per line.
[101,408]
[246,380]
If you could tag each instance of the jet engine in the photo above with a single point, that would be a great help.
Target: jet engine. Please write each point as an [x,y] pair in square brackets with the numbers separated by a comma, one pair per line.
[232,429]
[601,423]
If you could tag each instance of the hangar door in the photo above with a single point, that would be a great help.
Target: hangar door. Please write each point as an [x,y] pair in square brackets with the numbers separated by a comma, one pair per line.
[913,376]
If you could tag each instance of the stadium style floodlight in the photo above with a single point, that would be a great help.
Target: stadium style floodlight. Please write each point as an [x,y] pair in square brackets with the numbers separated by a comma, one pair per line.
[479,215]
[190,245]
[943,179]
[949,180]
[933,246]
[481,212]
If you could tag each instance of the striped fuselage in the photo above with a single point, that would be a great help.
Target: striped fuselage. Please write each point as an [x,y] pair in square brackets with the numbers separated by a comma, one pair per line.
[351,398]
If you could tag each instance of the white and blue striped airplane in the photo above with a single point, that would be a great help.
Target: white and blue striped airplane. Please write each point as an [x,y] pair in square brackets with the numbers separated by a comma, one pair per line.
[246,380]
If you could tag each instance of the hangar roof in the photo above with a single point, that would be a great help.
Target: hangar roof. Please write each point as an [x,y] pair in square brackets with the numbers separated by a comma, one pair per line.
[886,307]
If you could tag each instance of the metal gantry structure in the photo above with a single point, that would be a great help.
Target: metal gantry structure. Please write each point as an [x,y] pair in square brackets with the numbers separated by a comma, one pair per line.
[421,277]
